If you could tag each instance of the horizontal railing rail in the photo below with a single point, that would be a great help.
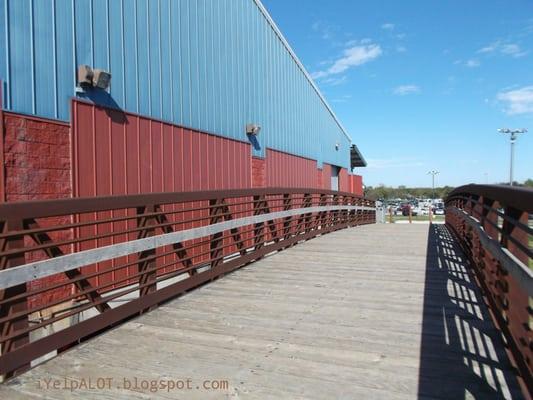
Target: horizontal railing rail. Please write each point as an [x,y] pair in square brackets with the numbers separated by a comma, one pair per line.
[493,226]
[70,268]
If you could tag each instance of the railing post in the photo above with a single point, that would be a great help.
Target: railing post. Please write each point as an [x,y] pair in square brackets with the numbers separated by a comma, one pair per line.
[17,306]
[352,214]
[308,202]
[216,210]
[287,205]
[323,214]
[519,235]
[518,314]
[489,220]
[259,206]
[345,213]
[334,214]
[147,267]
[360,214]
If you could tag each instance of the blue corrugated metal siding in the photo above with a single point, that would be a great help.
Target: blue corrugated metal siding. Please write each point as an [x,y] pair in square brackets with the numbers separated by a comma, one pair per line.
[209,65]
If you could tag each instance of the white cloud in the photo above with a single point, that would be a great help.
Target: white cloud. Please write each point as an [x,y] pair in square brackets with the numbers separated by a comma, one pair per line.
[508,49]
[512,49]
[342,99]
[404,90]
[351,57]
[388,26]
[354,42]
[518,101]
[472,63]
[488,49]
[401,49]
[326,31]
[334,81]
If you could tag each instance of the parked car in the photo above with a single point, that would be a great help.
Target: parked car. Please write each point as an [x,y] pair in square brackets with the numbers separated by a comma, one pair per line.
[422,211]
[406,208]
[439,211]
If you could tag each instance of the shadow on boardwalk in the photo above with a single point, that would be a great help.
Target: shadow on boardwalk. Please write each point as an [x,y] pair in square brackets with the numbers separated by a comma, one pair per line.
[462,353]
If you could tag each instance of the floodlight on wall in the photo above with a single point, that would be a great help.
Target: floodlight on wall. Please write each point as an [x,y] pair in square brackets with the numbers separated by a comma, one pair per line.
[85,75]
[252,129]
[89,77]
[101,79]
[337,146]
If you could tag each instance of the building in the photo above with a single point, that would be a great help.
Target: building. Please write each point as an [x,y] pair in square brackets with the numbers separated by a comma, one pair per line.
[187,78]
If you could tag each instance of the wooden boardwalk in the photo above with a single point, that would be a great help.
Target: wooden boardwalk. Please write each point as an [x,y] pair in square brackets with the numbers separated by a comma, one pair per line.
[373,312]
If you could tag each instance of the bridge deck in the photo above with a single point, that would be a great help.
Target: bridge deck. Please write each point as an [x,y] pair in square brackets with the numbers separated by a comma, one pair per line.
[380,311]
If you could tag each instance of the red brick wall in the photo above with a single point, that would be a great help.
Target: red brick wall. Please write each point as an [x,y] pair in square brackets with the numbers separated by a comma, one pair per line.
[258,172]
[37,165]
[36,158]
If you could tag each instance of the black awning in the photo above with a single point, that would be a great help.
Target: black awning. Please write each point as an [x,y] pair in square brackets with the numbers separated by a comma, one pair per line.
[356,158]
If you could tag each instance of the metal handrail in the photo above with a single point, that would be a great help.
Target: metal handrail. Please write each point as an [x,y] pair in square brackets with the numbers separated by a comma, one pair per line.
[72,257]
[491,223]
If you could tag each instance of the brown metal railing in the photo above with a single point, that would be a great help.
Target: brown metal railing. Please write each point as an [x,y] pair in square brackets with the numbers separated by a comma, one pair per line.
[493,226]
[71,268]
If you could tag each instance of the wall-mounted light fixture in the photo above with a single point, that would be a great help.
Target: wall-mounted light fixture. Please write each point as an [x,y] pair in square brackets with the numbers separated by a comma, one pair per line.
[252,129]
[89,77]
[337,146]
[101,79]
[85,75]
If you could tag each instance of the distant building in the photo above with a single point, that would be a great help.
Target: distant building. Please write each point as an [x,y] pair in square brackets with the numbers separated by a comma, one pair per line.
[191,84]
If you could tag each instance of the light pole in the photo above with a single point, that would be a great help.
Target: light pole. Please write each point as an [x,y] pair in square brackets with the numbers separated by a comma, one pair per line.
[513,133]
[433,173]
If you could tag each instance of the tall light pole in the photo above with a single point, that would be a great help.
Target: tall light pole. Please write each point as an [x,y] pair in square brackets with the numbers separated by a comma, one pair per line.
[513,133]
[433,173]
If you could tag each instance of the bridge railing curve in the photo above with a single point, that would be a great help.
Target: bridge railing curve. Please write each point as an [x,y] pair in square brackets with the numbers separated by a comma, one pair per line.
[493,226]
[73,267]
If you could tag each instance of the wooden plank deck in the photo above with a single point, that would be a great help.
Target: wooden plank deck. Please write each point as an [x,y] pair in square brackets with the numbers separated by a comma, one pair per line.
[377,312]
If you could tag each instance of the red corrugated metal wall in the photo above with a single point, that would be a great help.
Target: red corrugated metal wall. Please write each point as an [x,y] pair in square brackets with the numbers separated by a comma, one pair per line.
[122,153]
[135,154]
[356,184]
[286,170]
[326,176]
[344,180]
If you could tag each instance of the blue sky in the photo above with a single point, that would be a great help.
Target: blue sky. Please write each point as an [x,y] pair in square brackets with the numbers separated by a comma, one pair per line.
[422,85]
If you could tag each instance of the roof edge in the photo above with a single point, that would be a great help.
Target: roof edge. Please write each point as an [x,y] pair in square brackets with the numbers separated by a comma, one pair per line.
[269,19]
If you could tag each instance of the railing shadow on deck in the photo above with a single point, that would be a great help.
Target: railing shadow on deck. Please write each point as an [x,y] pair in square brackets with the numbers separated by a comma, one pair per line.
[462,354]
